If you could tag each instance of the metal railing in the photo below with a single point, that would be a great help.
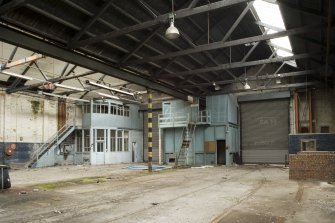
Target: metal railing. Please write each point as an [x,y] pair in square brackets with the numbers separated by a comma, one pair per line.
[54,139]
[203,117]
[173,118]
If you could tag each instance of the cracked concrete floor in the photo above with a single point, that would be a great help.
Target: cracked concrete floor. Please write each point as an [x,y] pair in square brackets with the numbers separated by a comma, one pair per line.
[243,194]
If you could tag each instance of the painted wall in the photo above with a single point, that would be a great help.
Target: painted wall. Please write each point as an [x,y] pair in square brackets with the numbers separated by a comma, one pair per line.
[29,121]
[134,121]
[323,104]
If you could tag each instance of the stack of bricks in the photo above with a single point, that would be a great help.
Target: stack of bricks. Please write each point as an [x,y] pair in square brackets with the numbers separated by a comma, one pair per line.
[316,165]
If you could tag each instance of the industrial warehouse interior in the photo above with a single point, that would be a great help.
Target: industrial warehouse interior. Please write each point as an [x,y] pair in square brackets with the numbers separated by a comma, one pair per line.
[167,111]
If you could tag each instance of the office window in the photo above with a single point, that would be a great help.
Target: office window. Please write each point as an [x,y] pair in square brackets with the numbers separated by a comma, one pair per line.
[126,141]
[112,140]
[119,140]
[86,140]
[79,140]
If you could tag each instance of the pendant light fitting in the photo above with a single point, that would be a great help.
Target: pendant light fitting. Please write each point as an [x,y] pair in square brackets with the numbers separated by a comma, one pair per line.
[172,32]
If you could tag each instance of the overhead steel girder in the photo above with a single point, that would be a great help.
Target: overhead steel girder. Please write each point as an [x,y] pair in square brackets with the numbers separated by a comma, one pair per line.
[11,6]
[23,40]
[220,44]
[262,77]
[21,61]
[241,64]
[273,87]
[53,80]
[183,13]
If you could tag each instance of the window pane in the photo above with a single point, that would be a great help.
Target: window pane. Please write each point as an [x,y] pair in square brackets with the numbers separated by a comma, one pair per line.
[104,109]
[79,141]
[100,134]
[112,140]
[100,146]
[126,111]
[126,141]
[86,140]
[119,140]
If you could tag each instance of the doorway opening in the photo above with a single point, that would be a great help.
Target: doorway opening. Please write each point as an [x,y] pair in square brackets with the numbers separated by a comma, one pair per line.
[221,152]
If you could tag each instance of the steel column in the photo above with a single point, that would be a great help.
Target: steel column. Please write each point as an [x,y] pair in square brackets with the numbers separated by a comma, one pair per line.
[149,130]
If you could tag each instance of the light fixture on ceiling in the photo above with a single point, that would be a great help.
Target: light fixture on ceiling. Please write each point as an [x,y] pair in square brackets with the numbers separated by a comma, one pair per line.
[172,32]
[109,96]
[118,98]
[69,87]
[246,85]
[16,75]
[62,96]
[109,88]
[216,87]
[278,79]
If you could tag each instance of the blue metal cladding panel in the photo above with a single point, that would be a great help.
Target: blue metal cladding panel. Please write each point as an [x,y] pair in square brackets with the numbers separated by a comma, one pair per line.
[217,106]
[220,132]
[199,140]
[169,141]
[232,109]
[324,142]
[210,134]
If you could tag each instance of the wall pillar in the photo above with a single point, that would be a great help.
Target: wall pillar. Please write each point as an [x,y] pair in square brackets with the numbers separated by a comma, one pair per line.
[149,130]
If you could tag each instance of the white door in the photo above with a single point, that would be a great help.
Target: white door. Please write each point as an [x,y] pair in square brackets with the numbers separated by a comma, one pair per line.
[100,145]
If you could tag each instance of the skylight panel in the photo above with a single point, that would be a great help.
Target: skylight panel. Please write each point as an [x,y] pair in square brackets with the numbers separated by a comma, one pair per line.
[269,13]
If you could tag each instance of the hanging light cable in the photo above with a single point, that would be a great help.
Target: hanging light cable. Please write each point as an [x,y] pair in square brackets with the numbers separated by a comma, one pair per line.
[172,32]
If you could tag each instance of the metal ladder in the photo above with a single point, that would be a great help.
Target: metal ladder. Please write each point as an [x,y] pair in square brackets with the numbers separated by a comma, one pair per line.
[182,158]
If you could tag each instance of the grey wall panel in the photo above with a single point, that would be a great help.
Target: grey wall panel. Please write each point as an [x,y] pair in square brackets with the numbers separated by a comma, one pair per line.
[265,128]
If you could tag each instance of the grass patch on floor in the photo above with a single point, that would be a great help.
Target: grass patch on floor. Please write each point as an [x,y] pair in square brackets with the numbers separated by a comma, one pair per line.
[60,184]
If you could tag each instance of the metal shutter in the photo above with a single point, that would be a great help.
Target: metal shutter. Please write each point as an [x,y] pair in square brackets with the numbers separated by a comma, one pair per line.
[265,129]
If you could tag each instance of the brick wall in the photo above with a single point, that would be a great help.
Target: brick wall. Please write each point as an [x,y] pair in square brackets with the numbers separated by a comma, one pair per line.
[312,166]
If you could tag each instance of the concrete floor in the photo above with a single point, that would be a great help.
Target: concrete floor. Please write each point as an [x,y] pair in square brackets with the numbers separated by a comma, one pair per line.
[243,194]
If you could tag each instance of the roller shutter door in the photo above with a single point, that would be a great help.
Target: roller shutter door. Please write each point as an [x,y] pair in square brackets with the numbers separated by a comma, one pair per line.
[264,132]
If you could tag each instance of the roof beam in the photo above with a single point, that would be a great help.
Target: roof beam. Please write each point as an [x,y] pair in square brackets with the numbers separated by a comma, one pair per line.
[183,13]
[193,4]
[21,61]
[23,40]
[241,64]
[139,45]
[89,23]
[220,44]
[209,56]
[303,9]
[53,80]
[272,87]
[261,77]
[11,6]
[10,59]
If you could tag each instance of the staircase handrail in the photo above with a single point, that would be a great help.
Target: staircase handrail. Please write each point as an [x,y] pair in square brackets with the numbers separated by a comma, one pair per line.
[53,138]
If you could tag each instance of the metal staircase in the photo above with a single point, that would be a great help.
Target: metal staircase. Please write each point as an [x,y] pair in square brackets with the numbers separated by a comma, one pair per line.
[188,133]
[52,143]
